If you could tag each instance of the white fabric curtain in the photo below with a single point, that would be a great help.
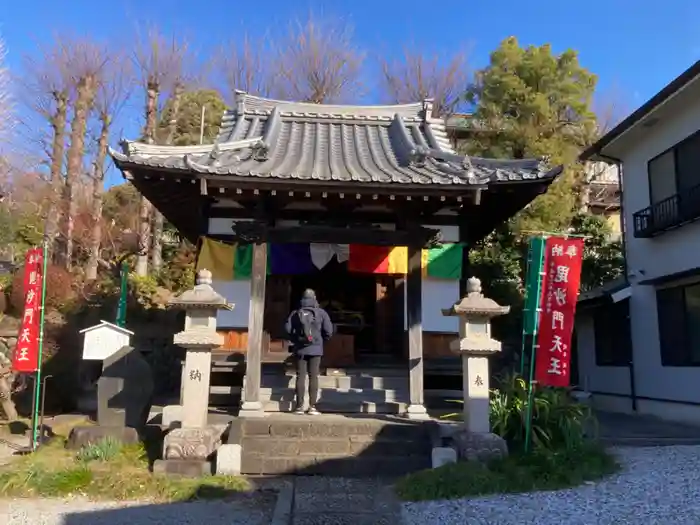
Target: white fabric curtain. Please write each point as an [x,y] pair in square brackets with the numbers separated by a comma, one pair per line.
[322,253]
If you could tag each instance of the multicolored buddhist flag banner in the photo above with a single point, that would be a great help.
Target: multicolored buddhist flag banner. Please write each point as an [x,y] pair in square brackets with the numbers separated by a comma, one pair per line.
[229,262]
[443,262]
[560,287]
[365,258]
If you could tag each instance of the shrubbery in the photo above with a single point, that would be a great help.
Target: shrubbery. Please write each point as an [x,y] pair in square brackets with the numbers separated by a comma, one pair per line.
[558,421]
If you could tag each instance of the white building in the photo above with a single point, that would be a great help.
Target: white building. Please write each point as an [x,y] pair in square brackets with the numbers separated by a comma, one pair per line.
[658,149]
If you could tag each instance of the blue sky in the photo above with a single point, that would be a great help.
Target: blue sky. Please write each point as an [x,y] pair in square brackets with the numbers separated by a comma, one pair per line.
[633,46]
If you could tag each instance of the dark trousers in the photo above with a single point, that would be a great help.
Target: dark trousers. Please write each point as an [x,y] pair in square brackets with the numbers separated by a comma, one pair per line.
[308,365]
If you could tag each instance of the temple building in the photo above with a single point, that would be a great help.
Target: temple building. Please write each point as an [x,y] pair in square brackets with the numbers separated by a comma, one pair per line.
[369,205]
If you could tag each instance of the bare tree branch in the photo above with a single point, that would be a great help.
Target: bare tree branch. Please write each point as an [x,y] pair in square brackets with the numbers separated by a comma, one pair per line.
[112,93]
[86,64]
[7,118]
[610,107]
[317,62]
[418,76]
[162,65]
[245,66]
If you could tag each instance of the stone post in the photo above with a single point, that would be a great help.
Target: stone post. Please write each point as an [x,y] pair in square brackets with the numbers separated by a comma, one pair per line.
[475,345]
[195,441]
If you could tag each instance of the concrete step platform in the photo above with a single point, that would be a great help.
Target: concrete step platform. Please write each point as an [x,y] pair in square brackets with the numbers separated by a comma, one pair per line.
[350,446]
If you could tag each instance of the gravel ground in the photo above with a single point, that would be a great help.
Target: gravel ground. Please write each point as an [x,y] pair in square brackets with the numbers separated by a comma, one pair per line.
[256,509]
[658,486]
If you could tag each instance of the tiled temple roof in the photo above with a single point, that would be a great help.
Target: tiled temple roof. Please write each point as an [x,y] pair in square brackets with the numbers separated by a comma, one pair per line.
[399,144]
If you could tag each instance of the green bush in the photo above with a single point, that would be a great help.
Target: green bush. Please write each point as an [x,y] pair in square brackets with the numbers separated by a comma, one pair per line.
[540,470]
[103,450]
[558,421]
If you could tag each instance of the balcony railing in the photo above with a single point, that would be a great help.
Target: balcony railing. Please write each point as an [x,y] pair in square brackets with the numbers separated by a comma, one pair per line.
[669,213]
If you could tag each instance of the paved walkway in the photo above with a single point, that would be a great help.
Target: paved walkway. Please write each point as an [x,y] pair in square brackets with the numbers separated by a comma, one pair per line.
[256,509]
[341,501]
[639,430]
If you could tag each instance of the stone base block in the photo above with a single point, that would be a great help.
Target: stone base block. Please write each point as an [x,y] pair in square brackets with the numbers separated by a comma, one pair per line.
[80,437]
[183,467]
[228,460]
[477,446]
[171,416]
[442,456]
[252,409]
[192,443]
[417,413]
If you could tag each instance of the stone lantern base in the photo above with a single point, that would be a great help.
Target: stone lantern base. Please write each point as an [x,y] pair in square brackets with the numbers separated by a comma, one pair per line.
[478,446]
[189,451]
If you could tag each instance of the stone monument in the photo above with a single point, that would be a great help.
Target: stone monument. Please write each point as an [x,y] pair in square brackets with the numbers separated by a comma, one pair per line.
[474,440]
[124,390]
[190,448]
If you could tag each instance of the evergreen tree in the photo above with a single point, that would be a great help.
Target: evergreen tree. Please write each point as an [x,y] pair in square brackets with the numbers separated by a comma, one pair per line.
[189,117]
[534,103]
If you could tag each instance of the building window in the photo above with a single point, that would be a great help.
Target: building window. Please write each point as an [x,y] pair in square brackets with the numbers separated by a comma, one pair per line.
[675,171]
[613,342]
[679,325]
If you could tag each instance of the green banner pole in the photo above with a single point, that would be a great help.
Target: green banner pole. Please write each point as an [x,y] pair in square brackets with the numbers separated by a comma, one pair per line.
[539,260]
[37,387]
[123,288]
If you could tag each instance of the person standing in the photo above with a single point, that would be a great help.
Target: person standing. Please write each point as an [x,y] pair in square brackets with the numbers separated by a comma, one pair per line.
[307,328]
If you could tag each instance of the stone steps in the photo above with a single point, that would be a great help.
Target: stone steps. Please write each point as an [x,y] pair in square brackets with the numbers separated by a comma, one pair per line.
[332,445]
[330,400]
[343,382]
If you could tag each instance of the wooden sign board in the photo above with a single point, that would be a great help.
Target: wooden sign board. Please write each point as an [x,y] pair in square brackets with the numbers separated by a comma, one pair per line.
[104,340]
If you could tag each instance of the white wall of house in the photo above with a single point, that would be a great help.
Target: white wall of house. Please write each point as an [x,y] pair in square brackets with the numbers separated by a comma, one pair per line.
[611,384]
[668,253]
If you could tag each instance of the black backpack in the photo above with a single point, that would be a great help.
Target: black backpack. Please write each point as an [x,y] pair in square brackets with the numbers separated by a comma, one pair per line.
[306,331]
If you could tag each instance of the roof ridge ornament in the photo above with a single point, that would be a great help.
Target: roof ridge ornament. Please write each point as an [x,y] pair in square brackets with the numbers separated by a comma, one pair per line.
[419,155]
[428,107]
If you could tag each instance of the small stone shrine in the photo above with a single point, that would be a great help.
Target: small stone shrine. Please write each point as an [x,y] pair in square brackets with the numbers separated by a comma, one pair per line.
[124,390]
[190,448]
[474,440]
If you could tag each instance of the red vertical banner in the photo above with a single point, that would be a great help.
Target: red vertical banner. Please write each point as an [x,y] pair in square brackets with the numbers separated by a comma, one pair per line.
[26,354]
[560,287]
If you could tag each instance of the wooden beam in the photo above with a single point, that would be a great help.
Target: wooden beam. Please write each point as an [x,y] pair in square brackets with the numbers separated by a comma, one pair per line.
[339,216]
[257,231]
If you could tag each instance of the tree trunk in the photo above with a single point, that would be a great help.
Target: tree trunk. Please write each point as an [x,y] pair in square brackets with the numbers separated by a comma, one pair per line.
[157,234]
[58,146]
[152,93]
[97,190]
[76,150]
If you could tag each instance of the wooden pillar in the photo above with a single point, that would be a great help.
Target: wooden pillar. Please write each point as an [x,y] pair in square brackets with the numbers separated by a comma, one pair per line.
[251,405]
[414,310]
[466,272]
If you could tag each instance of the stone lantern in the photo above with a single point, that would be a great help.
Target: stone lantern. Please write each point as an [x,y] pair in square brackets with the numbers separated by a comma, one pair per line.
[475,344]
[194,441]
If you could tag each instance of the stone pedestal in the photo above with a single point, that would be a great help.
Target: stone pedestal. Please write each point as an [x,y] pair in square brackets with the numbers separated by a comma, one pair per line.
[474,440]
[475,380]
[196,389]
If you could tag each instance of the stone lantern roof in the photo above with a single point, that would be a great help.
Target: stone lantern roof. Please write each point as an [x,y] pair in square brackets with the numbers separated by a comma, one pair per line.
[202,296]
[475,304]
